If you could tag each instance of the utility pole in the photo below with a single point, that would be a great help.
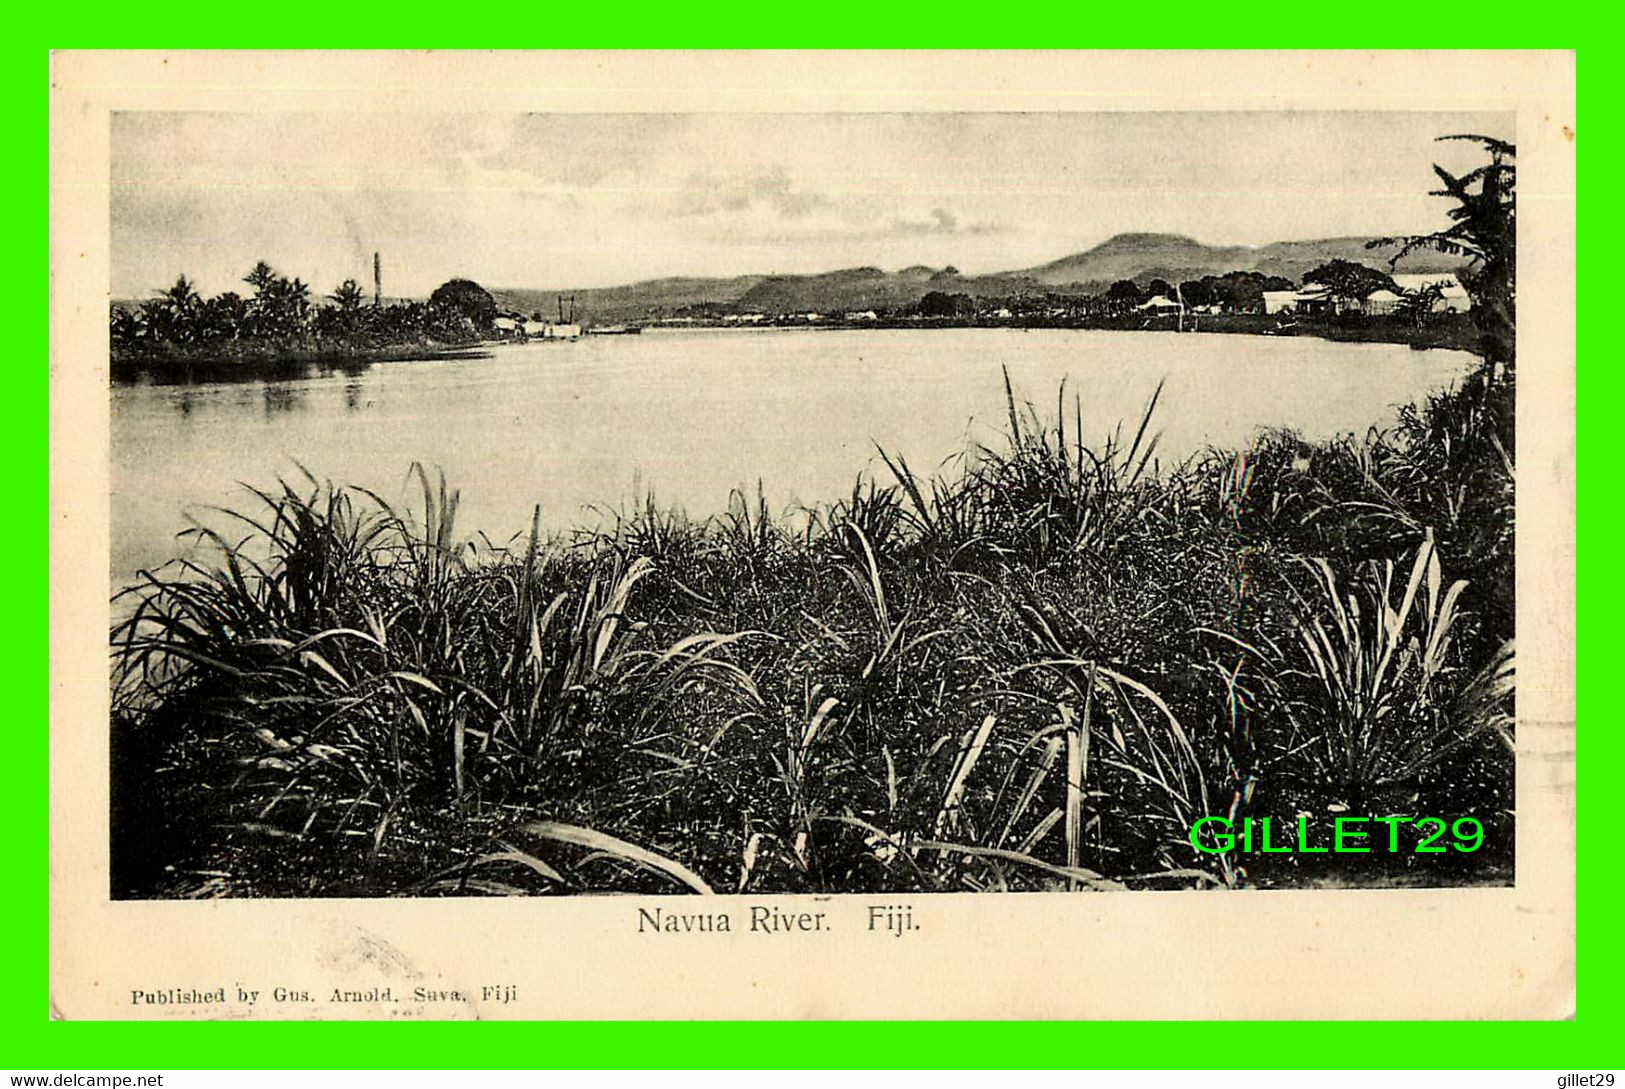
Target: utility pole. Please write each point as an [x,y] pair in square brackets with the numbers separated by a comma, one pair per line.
[377,281]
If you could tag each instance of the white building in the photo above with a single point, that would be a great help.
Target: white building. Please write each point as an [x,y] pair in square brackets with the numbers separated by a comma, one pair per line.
[1311,299]
[1454,298]
[1382,301]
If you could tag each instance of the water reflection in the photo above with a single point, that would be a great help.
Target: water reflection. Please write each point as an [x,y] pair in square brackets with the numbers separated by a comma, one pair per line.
[352,396]
[206,372]
[281,398]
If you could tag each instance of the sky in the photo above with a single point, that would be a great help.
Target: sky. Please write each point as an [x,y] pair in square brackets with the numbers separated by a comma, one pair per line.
[586,200]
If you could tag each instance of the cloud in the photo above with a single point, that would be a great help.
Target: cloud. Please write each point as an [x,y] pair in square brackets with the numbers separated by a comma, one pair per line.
[772,190]
[941,222]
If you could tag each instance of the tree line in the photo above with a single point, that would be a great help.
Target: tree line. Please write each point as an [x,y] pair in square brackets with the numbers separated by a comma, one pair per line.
[281,312]
[1237,292]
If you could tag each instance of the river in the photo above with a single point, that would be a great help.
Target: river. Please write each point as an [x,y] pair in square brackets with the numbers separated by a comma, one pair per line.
[596,423]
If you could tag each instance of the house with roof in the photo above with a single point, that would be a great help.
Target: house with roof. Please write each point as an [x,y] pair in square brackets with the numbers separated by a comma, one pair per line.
[1382,301]
[1276,302]
[1320,299]
[1309,299]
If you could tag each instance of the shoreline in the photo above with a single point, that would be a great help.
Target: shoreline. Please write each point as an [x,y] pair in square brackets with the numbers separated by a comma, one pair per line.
[1453,332]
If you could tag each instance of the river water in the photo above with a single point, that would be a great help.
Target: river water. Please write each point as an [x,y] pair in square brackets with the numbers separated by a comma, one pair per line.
[597,423]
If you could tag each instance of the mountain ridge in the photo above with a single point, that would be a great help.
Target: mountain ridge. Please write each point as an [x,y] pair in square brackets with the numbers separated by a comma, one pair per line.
[1131,255]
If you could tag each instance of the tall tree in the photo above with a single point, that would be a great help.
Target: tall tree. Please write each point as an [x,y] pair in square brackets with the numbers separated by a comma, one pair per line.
[1349,279]
[223,317]
[348,296]
[289,304]
[464,302]
[260,314]
[1197,292]
[1484,230]
[261,277]
[173,314]
[1123,294]
[123,327]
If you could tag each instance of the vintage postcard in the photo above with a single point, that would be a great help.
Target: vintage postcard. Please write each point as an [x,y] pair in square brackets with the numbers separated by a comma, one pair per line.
[1046,535]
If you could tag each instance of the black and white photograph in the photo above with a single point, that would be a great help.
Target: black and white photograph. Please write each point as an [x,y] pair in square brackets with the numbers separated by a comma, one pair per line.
[857,505]
[546,504]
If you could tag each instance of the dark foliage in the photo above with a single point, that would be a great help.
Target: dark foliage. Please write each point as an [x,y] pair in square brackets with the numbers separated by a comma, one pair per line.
[279,323]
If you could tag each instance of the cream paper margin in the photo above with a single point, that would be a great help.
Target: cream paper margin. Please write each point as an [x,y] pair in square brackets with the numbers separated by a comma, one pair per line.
[1467,953]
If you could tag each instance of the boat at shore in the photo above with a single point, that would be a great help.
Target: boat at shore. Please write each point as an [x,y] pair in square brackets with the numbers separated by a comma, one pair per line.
[550,330]
[614,330]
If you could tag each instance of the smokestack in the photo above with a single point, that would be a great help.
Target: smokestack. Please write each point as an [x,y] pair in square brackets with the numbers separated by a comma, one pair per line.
[377,281]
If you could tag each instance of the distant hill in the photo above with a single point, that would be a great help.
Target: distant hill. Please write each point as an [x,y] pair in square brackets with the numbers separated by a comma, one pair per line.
[827,292]
[870,289]
[1141,256]
[1144,256]
[630,301]
[1138,256]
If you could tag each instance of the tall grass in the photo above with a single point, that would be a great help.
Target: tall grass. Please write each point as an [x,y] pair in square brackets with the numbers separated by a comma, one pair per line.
[1032,669]
[1378,672]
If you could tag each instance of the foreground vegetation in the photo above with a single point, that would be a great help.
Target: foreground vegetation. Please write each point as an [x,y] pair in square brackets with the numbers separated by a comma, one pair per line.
[1031,670]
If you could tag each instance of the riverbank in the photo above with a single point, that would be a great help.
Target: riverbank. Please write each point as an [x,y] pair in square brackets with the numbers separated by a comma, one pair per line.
[270,361]
[1442,330]
[1450,331]
[1035,671]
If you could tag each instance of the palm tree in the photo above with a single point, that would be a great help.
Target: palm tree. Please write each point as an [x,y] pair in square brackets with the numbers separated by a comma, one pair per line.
[1416,306]
[123,327]
[182,297]
[261,276]
[298,302]
[260,317]
[1484,230]
[349,296]
[283,305]
[173,314]
[223,317]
